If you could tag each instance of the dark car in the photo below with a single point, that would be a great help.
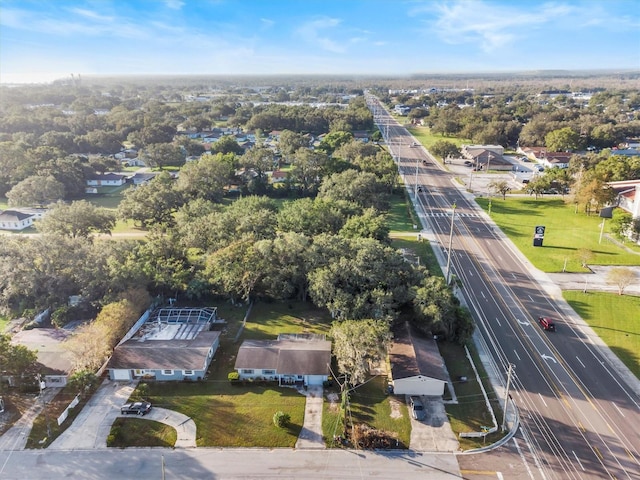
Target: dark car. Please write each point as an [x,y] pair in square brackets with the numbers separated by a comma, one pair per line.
[547,324]
[137,408]
[417,408]
[468,163]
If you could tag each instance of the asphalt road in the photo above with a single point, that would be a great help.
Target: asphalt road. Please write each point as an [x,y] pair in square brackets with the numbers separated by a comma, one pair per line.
[579,415]
[209,463]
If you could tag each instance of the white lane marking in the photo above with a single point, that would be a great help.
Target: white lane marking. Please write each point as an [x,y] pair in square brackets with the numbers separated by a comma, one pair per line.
[531,298]
[578,460]
[580,361]
[548,357]
[482,293]
[499,475]
[521,322]
[514,276]
[619,411]
[517,355]
[470,273]
[498,322]
[542,399]
[524,460]
[499,258]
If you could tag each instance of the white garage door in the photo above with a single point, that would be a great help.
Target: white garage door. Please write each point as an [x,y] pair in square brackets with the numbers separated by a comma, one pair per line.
[120,375]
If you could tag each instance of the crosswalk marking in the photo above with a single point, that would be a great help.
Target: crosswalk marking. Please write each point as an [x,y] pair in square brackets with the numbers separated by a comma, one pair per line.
[448,215]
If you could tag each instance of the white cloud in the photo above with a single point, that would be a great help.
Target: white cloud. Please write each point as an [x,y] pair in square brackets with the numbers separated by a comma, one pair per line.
[90,14]
[490,25]
[311,32]
[267,23]
[174,4]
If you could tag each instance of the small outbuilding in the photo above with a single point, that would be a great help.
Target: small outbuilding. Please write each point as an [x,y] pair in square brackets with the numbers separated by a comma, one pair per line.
[417,368]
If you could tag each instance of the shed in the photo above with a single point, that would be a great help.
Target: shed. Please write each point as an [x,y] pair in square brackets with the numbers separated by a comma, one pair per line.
[416,365]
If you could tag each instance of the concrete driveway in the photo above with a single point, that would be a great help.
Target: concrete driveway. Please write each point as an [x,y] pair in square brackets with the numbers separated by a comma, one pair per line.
[311,433]
[433,434]
[92,426]
[185,427]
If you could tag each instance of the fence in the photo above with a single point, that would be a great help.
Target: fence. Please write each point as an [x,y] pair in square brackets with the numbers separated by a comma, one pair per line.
[65,414]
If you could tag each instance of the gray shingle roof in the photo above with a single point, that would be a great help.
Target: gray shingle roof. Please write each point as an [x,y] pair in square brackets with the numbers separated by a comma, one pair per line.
[164,354]
[287,357]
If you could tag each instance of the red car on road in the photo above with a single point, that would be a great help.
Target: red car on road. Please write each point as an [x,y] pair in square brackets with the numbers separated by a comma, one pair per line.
[547,324]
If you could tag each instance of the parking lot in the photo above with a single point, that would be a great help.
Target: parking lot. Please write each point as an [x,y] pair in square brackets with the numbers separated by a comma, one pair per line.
[478,181]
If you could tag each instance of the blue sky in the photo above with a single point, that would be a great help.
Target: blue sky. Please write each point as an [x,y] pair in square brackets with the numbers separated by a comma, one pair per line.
[44,40]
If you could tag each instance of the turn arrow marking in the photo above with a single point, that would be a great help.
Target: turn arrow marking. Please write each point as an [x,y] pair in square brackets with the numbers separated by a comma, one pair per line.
[547,357]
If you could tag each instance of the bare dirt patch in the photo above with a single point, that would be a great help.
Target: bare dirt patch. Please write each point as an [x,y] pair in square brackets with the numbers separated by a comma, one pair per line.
[396,411]
[333,399]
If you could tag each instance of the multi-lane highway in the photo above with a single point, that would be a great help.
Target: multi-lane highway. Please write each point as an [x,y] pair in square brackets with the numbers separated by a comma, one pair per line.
[579,412]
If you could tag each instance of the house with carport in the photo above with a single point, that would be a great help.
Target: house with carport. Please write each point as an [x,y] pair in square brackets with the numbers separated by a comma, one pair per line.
[416,365]
[291,359]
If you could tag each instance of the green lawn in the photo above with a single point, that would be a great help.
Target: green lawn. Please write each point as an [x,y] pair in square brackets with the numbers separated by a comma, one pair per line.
[4,321]
[422,249]
[566,232]
[267,320]
[109,201]
[233,415]
[401,216]
[370,404]
[615,319]
[470,414]
[136,432]
[427,139]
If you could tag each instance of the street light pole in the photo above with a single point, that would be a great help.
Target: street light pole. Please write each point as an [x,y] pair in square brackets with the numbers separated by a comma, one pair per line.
[453,214]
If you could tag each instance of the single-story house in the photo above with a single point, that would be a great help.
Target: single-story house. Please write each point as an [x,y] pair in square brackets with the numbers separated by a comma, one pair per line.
[361,135]
[278,176]
[107,180]
[557,159]
[289,360]
[416,365]
[533,153]
[172,359]
[171,344]
[16,220]
[628,196]
[497,149]
[485,159]
[140,178]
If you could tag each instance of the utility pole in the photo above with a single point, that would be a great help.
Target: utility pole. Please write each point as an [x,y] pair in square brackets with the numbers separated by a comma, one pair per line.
[506,396]
[416,185]
[453,214]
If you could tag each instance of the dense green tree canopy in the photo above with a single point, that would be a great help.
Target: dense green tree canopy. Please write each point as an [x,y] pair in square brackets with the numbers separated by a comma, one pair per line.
[77,219]
[359,344]
[36,191]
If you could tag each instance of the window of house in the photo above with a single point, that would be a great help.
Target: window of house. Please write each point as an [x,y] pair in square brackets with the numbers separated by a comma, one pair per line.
[269,372]
[167,372]
[188,372]
[247,372]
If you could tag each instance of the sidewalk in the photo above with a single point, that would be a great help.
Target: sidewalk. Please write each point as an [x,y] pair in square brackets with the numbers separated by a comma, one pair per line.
[311,433]
[16,437]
